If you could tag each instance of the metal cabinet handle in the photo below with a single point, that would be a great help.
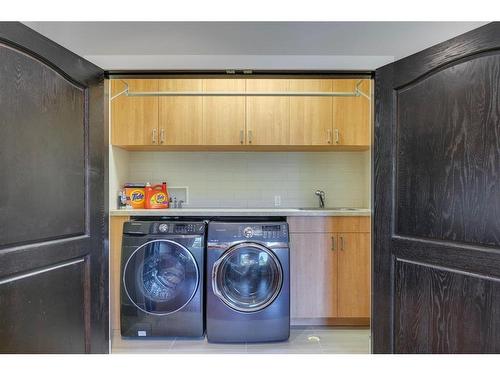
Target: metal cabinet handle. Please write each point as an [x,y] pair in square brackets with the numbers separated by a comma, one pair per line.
[336,136]
[333,243]
[250,136]
[242,134]
[154,138]
[162,136]
[342,243]
[329,136]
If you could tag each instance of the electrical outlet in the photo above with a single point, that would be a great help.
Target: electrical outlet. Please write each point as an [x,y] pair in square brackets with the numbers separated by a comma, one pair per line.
[277,200]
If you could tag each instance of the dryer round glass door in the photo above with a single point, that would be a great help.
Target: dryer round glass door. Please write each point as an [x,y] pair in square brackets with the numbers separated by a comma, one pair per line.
[247,277]
[161,277]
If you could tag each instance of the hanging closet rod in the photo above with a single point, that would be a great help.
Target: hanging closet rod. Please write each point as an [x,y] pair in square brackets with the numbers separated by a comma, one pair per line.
[357,92]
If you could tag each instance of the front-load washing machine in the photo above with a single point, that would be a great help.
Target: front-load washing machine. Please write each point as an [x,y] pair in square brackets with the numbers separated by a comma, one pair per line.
[162,279]
[248,282]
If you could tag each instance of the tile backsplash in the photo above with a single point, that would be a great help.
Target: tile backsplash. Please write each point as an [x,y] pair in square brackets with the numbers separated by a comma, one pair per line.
[255,179]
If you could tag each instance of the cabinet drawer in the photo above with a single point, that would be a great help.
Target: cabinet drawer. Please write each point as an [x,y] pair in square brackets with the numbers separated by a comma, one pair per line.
[328,224]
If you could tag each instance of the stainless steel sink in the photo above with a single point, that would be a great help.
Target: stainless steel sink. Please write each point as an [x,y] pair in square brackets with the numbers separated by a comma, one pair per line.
[327,208]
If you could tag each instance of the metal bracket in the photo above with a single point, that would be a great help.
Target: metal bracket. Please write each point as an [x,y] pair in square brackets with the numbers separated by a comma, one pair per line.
[121,92]
[358,91]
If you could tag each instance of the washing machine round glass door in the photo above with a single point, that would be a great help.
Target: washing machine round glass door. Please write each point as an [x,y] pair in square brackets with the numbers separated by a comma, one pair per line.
[247,277]
[161,277]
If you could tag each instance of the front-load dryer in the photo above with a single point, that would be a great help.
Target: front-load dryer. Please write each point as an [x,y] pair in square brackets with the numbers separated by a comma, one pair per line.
[162,278]
[248,282]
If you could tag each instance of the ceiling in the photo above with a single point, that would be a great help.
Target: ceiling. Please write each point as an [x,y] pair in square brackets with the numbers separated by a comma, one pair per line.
[248,45]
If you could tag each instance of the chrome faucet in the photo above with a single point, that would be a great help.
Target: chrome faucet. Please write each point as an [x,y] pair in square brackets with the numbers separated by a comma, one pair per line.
[321,196]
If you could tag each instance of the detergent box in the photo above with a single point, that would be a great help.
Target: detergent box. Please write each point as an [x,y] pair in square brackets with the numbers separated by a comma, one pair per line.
[135,195]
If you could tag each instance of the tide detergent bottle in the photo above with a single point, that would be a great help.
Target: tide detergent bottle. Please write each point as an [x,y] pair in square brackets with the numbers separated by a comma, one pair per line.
[156,196]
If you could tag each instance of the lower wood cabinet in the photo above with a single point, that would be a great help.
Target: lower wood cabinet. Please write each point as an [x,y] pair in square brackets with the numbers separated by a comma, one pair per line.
[330,270]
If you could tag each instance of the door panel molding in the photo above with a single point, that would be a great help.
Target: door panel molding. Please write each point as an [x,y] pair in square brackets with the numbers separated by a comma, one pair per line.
[60,107]
[29,54]
[452,244]
[17,259]
[447,269]
[470,260]
[73,67]
[27,274]
[447,145]
[474,42]
[450,64]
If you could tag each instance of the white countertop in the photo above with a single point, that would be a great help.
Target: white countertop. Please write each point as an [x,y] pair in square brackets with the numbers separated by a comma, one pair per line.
[241,212]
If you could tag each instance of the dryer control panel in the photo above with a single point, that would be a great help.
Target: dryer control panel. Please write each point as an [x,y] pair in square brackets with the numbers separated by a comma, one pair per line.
[267,232]
[220,232]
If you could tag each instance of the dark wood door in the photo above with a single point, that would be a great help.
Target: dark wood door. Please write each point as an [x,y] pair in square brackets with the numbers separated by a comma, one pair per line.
[53,260]
[436,242]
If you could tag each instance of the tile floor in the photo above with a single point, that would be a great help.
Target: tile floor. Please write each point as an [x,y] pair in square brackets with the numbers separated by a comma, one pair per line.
[303,340]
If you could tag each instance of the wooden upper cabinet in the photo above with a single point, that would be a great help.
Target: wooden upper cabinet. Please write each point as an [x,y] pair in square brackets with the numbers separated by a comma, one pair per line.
[311,117]
[340,122]
[351,115]
[224,116]
[267,117]
[134,120]
[353,275]
[180,117]
[313,270]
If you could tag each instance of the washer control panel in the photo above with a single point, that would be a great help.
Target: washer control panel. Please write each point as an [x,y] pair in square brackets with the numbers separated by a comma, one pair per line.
[138,227]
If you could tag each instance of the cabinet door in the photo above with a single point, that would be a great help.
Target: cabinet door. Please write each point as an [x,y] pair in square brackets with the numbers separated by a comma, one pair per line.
[311,117]
[180,120]
[313,262]
[134,120]
[353,275]
[268,117]
[351,115]
[224,116]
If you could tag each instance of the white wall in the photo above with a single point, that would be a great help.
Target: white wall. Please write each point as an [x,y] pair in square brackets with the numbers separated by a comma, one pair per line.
[252,179]
[118,173]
